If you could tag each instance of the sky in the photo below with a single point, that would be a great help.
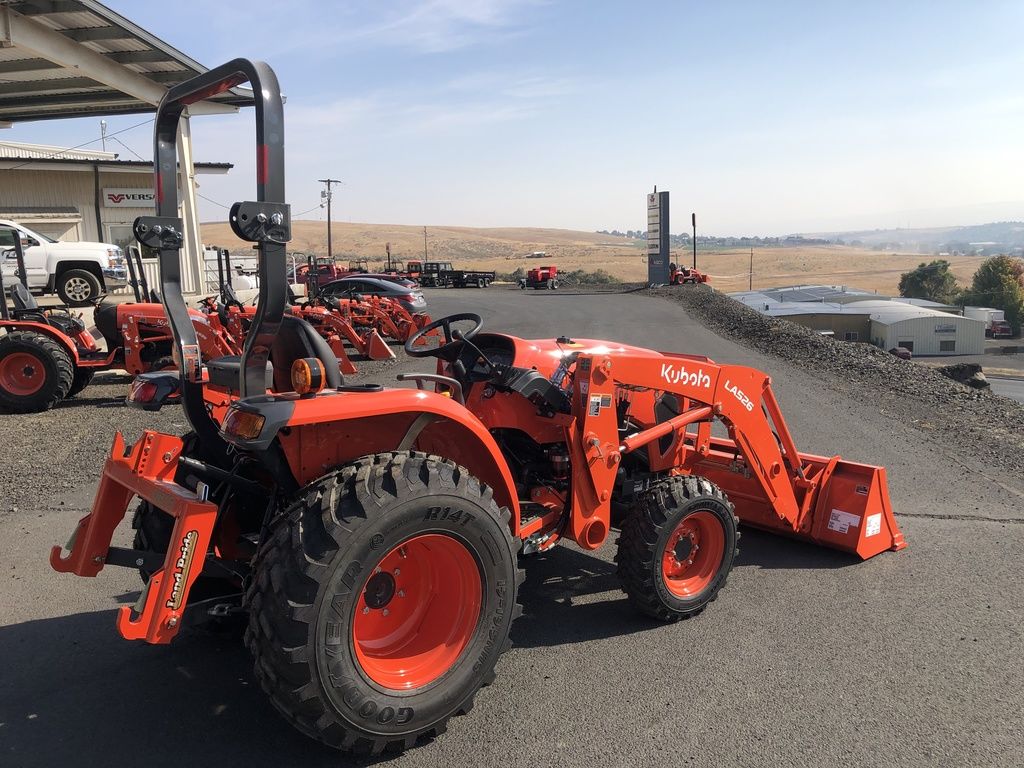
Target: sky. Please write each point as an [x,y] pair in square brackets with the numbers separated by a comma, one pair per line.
[763,118]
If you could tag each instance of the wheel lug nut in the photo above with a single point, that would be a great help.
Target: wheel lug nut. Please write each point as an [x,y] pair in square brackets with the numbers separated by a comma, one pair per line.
[689,562]
[366,609]
[385,611]
[398,571]
[401,593]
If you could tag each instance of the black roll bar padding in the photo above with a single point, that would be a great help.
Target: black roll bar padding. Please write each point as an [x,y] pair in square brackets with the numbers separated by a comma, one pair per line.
[5,313]
[19,254]
[220,273]
[269,188]
[143,280]
[227,266]
[131,271]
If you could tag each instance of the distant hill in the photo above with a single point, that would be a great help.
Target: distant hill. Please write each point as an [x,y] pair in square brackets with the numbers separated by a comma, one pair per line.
[368,241]
[1002,236]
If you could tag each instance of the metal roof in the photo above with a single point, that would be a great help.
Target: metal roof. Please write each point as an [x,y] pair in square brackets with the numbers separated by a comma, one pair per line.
[20,150]
[16,154]
[882,310]
[33,87]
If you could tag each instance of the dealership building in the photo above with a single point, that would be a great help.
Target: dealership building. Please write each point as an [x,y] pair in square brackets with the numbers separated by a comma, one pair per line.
[850,314]
[78,194]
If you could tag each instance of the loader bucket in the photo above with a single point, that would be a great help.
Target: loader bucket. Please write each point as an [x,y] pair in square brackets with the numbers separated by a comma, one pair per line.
[844,505]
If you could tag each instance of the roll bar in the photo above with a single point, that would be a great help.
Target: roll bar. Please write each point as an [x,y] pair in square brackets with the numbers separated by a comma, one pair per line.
[266,222]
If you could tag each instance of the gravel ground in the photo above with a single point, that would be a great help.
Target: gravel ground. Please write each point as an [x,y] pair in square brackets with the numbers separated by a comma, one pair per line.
[989,426]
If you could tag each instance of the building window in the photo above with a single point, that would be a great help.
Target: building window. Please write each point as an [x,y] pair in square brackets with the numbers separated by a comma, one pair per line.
[851,336]
[947,345]
[908,345]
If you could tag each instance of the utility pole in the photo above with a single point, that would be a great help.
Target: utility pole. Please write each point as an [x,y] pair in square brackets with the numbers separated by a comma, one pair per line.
[103,134]
[424,245]
[693,218]
[750,286]
[326,195]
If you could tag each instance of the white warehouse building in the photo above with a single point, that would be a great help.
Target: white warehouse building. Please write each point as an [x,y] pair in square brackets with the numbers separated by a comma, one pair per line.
[922,330]
[853,315]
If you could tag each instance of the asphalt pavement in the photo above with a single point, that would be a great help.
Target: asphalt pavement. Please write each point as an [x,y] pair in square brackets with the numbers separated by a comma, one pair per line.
[808,657]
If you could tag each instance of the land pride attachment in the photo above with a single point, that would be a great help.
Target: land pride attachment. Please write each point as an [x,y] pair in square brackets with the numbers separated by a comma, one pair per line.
[373,536]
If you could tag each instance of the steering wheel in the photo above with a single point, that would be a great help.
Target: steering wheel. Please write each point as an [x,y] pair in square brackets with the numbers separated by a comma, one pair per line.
[453,338]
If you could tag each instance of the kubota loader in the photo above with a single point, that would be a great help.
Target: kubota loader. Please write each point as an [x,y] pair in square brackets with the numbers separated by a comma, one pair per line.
[373,536]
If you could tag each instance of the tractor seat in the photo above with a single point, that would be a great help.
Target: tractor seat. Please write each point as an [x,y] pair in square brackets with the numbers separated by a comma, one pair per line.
[22,299]
[295,340]
[105,318]
[224,372]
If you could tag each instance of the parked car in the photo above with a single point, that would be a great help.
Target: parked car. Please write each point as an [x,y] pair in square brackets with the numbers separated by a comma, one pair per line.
[77,272]
[406,282]
[409,298]
[902,353]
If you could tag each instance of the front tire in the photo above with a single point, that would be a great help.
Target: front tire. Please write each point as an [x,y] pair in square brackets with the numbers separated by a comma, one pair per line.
[382,600]
[81,380]
[78,288]
[677,547]
[36,372]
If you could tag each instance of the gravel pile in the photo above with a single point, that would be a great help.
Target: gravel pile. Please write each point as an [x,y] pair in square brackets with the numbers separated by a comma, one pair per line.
[987,425]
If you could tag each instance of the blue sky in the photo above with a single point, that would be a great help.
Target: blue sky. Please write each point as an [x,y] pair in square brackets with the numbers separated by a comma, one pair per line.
[765,118]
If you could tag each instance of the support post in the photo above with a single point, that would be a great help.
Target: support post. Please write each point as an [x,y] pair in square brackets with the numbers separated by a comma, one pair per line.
[192,250]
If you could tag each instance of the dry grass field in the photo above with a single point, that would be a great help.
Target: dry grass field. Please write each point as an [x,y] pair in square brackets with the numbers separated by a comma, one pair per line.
[503,250]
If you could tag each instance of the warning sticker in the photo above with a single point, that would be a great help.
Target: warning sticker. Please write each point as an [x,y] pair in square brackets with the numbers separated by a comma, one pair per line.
[842,521]
[606,401]
[595,405]
[873,525]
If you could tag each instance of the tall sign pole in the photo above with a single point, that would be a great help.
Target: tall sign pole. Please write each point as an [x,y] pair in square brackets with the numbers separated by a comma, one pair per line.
[657,237]
[326,195]
[693,219]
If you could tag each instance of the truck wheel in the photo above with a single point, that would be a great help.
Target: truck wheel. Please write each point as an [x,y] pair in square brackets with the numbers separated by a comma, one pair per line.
[677,547]
[551,284]
[78,288]
[81,380]
[381,601]
[35,372]
[479,282]
[555,285]
[522,286]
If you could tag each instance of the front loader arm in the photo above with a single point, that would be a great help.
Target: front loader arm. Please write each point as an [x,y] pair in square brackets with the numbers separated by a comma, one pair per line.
[740,396]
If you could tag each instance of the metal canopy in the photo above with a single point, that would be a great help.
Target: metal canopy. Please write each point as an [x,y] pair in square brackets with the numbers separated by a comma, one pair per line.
[78,58]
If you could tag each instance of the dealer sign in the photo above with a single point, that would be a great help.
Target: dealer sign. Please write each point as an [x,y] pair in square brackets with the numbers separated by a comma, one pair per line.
[129,198]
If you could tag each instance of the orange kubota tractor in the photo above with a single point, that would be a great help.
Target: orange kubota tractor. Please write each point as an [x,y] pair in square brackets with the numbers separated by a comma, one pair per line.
[683,275]
[373,536]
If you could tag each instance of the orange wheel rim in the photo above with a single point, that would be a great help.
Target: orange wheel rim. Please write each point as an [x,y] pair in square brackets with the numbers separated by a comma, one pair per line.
[22,373]
[693,554]
[417,612]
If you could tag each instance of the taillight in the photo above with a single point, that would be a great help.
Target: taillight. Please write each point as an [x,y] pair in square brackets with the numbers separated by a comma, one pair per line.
[142,392]
[407,297]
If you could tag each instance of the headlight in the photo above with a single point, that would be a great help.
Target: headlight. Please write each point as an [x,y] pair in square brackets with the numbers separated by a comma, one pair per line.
[115,257]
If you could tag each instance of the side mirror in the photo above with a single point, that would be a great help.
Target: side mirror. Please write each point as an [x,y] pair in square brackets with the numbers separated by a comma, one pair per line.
[32,242]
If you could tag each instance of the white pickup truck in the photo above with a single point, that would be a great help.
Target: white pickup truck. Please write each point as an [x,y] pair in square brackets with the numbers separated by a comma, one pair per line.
[77,272]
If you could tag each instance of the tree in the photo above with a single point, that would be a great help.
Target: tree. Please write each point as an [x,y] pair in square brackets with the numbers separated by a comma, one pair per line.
[931,281]
[999,283]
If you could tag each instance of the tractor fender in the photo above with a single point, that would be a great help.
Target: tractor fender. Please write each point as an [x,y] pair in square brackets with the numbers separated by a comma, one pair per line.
[46,330]
[319,434]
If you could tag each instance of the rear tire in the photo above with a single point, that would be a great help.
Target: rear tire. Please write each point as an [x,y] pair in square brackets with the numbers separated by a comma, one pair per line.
[81,380]
[78,288]
[36,372]
[335,662]
[677,548]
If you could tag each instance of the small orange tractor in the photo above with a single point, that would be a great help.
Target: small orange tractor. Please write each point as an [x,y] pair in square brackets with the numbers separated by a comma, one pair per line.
[540,278]
[683,275]
[47,354]
[373,537]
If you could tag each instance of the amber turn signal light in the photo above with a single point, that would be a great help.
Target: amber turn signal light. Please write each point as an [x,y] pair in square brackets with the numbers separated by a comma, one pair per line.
[308,375]
[244,424]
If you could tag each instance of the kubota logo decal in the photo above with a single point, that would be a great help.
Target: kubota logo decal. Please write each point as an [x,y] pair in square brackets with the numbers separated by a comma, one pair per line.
[678,374]
[181,568]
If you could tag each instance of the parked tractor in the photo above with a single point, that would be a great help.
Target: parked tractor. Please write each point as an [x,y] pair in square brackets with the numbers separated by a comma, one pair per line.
[684,275]
[48,354]
[539,278]
[373,537]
